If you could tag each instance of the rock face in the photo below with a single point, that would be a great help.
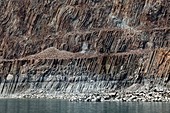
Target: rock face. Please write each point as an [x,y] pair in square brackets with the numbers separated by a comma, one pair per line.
[84,46]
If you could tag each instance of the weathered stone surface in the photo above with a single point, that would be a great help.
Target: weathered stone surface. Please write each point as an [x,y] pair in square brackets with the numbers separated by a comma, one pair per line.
[84,46]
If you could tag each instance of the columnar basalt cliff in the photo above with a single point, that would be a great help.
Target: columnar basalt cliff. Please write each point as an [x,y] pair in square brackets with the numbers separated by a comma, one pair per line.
[55,47]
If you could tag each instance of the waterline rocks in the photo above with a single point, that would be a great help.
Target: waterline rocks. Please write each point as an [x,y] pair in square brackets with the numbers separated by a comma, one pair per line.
[99,97]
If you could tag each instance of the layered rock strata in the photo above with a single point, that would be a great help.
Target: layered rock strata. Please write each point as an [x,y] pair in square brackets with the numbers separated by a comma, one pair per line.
[56,47]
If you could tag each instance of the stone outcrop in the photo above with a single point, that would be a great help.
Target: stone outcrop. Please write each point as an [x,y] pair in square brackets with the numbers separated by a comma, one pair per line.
[84,46]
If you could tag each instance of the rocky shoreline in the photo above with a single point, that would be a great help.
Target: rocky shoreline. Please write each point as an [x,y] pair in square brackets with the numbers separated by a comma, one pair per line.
[98,97]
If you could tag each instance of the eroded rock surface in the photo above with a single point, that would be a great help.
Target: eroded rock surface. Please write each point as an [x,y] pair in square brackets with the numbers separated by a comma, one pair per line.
[84,46]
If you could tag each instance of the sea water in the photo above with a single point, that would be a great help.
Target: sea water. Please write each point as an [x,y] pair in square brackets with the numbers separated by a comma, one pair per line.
[63,106]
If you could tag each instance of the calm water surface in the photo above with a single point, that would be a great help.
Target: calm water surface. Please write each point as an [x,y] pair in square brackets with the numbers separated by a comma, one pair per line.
[60,106]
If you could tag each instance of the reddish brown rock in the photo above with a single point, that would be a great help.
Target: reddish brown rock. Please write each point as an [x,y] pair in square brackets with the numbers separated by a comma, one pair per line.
[114,43]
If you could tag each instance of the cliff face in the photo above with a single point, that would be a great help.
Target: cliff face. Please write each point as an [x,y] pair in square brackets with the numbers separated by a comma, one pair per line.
[83,46]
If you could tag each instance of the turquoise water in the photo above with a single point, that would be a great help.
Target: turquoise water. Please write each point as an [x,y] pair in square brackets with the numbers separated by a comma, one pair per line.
[60,106]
